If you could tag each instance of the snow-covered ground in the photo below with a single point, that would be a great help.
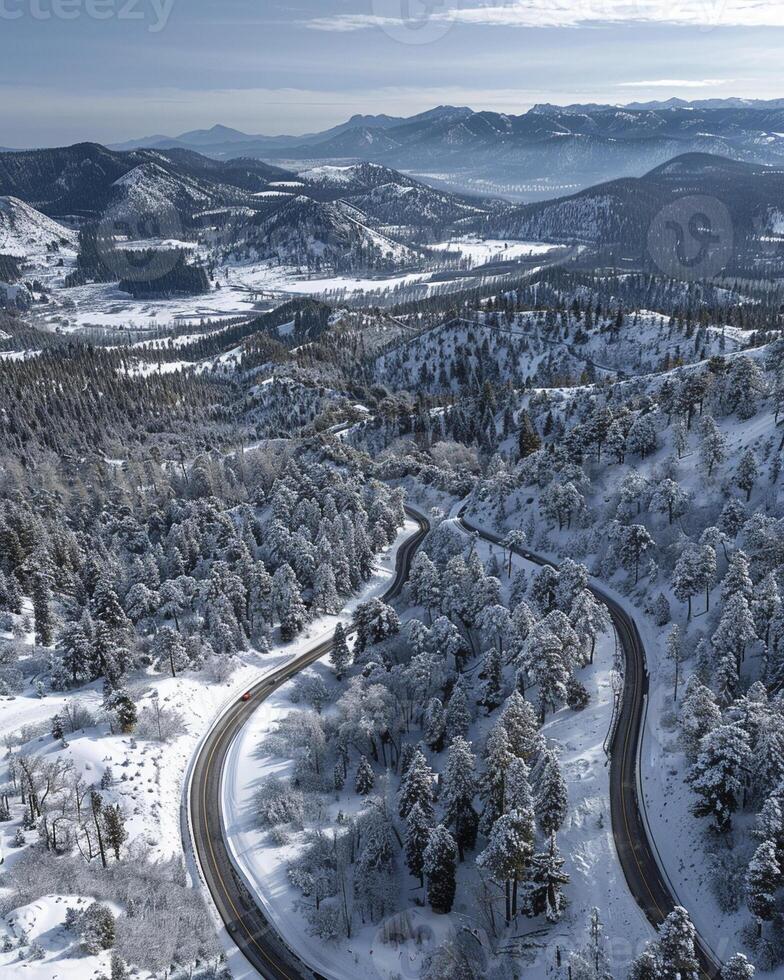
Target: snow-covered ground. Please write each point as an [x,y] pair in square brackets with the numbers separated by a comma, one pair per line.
[586,842]
[481,251]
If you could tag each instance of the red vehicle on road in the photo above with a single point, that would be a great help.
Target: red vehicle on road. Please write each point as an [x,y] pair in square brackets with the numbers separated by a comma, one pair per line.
[245,696]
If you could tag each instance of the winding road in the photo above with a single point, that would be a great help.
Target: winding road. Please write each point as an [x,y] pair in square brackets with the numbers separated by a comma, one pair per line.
[245,921]
[633,841]
[248,926]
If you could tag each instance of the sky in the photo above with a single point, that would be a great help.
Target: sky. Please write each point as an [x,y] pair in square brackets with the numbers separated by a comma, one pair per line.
[111,70]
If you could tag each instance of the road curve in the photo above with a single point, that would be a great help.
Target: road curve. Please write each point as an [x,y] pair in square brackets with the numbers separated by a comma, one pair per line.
[247,925]
[635,847]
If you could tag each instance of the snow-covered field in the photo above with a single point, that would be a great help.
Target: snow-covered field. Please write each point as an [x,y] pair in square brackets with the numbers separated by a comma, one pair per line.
[482,251]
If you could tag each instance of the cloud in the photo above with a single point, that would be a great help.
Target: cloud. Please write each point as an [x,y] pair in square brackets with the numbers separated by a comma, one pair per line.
[388,15]
[679,83]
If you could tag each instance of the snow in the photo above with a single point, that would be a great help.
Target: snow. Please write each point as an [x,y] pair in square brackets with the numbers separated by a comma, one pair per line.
[586,842]
[43,923]
[25,232]
[482,251]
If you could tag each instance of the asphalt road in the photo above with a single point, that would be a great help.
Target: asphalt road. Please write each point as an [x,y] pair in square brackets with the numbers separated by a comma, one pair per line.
[247,924]
[633,842]
[245,921]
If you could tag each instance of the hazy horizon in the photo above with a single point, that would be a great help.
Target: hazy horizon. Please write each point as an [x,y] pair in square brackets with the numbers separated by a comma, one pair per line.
[113,70]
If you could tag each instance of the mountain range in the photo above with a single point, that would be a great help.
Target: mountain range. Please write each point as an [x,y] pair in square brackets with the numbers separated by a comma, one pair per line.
[694,213]
[530,156]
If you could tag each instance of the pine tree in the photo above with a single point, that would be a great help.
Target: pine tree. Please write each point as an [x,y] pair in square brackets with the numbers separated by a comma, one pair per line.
[439,864]
[763,880]
[340,655]
[686,576]
[365,779]
[677,957]
[416,788]
[115,833]
[713,449]
[75,645]
[552,802]
[766,605]
[719,774]
[522,729]
[737,579]
[547,878]
[737,968]
[645,966]
[41,595]
[630,543]
[418,830]
[123,706]
[288,603]
[325,593]
[508,854]
[748,471]
[492,689]
[589,618]
[119,968]
[108,611]
[547,668]
[459,789]
[700,714]
[170,652]
[435,725]
[733,517]
[492,785]
[675,654]
[57,730]
[735,630]
[458,711]
[424,583]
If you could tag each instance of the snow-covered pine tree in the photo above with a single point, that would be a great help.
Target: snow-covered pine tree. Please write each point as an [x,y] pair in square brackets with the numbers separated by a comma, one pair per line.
[676,953]
[645,966]
[735,630]
[765,606]
[590,618]
[508,854]
[340,655]
[700,714]
[492,687]
[747,473]
[440,864]
[425,584]
[418,829]
[325,593]
[497,757]
[718,775]
[713,448]
[763,879]
[416,787]
[737,579]
[546,879]
[552,798]
[675,655]
[365,778]
[522,728]
[737,968]
[435,725]
[458,792]
[458,711]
